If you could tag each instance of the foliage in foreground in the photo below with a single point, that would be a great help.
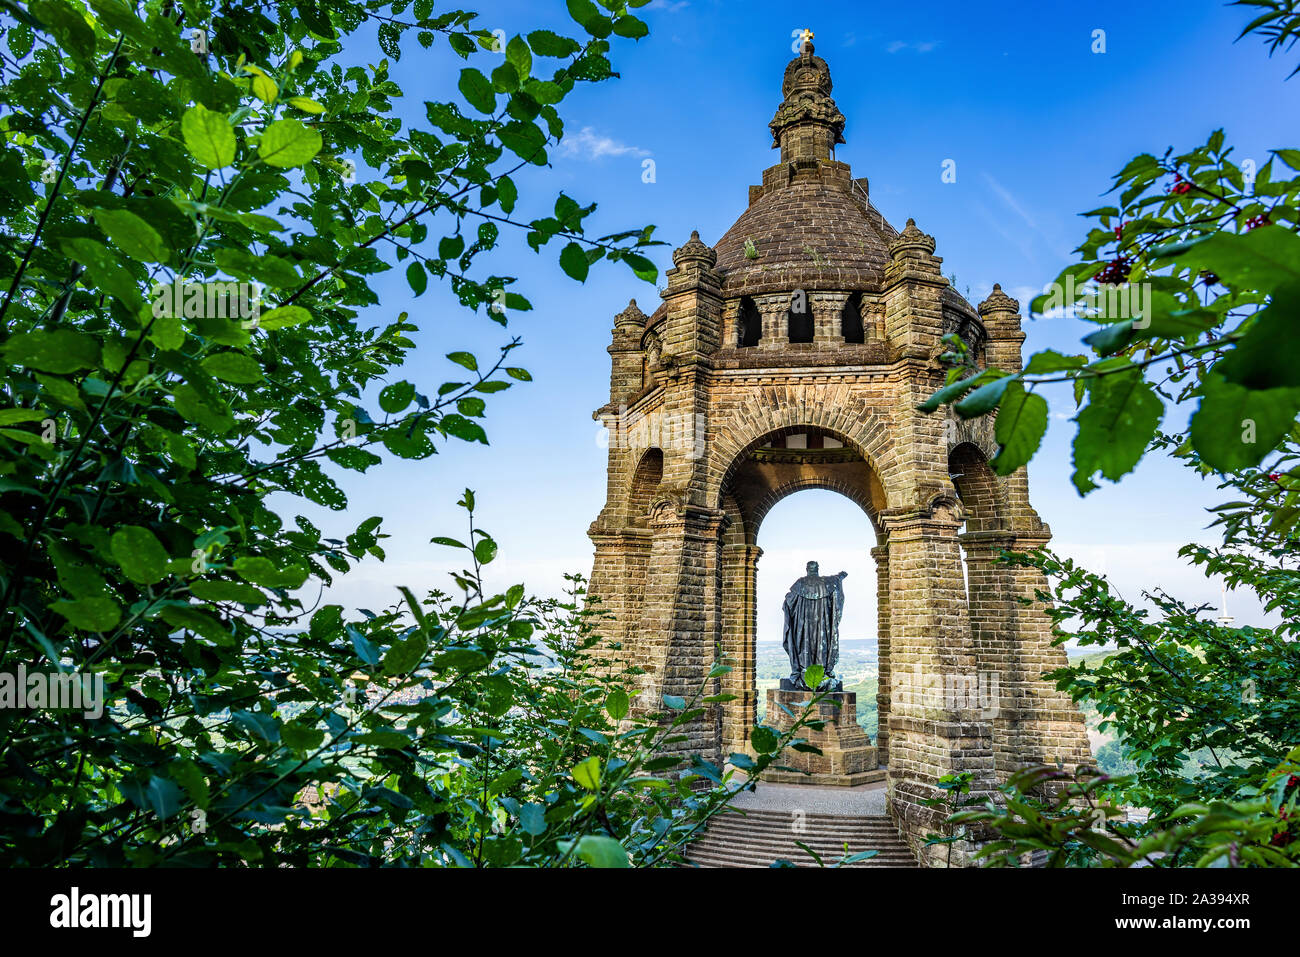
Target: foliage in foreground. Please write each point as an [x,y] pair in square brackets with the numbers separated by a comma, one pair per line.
[1215,261]
[194,200]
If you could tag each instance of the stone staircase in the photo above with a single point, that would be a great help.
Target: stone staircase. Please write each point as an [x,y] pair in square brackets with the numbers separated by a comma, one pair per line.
[757,837]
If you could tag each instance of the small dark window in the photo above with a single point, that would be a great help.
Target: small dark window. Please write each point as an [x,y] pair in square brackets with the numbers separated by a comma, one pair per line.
[851,320]
[749,324]
[800,319]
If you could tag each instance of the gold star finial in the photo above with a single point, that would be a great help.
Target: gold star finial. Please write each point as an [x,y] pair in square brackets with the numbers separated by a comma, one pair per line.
[806,36]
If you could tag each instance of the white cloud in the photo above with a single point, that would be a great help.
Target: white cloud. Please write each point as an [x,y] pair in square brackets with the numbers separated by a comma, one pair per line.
[667,5]
[588,144]
[922,46]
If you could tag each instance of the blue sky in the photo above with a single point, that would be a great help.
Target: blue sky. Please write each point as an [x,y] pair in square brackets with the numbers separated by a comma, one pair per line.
[1036,123]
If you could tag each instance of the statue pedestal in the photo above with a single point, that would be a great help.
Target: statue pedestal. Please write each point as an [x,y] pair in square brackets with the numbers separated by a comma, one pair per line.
[848,757]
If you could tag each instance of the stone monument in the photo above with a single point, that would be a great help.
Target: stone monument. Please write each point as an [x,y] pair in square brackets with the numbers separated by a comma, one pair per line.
[811,636]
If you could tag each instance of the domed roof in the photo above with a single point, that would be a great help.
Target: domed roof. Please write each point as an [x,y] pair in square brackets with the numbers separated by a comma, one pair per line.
[815,234]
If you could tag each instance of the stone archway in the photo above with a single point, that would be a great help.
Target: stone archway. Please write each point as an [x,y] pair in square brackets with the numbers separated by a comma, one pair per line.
[766,471]
[739,415]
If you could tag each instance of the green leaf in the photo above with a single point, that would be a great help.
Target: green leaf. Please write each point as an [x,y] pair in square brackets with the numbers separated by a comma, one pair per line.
[365,649]
[675,702]
[1048,361]
[573,260]
[283,316]
[57,350]
[600,851]
[485,550]
[208,136]
[140,555]
[416,277]
[764,739]
[405,655]
[813,676]
[288,143]
[616,704]
[1235,427]
[1115,427]
[396,397]
[90,614]
[464,359]
[1266,357]
[1264,258]
[1019,428]
[587,773]
[477,90]
[948,393]
[228,591]
[301,737]
[546,43]
[519,56]
[131,234]
[306,104]
[232,367]
[984,399]
[532,818]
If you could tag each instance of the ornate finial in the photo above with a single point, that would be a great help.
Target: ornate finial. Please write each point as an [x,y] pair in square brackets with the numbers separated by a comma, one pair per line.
[631,316]
[694,250]
[805,40]
[911,239]
[807,125]
[998,301]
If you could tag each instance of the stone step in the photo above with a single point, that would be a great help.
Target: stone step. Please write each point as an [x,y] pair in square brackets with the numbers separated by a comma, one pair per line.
[791,852]
[797,857]
[821,847]
[757,838]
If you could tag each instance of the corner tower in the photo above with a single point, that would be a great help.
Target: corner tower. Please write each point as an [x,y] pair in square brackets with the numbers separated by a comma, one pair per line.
[792,354]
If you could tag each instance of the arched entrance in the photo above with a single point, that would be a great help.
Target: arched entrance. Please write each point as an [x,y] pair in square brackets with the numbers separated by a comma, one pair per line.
[773,467]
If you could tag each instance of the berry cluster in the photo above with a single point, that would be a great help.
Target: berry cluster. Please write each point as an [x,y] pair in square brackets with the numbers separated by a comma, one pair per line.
[1116,271]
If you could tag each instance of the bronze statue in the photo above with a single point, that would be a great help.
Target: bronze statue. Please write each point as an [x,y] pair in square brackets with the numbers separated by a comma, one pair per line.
[811,635]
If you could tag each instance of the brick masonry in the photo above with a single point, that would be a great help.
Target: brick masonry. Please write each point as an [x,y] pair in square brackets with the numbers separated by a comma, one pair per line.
[708,433]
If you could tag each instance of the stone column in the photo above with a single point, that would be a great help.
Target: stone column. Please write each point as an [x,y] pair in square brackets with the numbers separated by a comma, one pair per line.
[1035,723]
[776,331]
[730,323]
[883,658]
[739,631]
[677,637]
[932,657]
[827,307]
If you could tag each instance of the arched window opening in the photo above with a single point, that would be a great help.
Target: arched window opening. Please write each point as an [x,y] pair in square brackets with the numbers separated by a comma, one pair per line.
[649,473]
[851,320]
[749,324]
[800,319]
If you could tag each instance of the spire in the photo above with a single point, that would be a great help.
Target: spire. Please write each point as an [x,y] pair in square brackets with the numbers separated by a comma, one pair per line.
[807,124]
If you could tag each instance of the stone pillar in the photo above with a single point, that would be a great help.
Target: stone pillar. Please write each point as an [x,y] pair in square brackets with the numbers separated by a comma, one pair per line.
[1034,723]
[931,656]
[676,638]
[776,331]
[914,283]
[730,324]
[739,631]
[883,658]
[827,307]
